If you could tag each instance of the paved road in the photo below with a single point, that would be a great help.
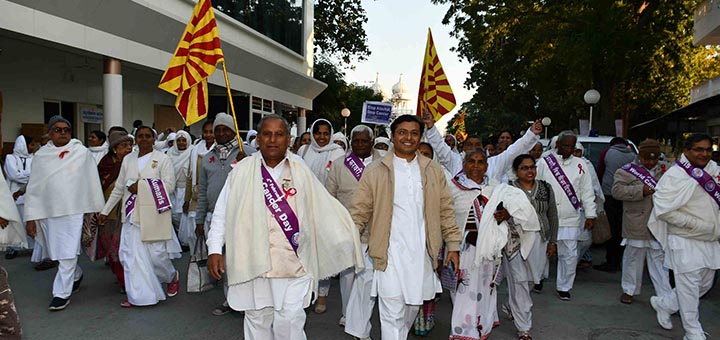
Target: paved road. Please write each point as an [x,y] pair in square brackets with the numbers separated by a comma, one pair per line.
[594,313]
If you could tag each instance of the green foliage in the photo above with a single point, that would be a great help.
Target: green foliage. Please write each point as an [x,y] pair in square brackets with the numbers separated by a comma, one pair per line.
[535,58]
[338,95]
[340,29]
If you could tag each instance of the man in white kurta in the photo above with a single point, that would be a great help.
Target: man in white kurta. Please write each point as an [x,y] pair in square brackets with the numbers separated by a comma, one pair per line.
[686,221]
[63,186]
[271,275]
[575,223]
[406,201]
[342,180]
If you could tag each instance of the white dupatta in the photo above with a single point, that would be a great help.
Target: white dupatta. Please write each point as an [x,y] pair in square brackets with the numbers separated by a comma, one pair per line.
[13,235]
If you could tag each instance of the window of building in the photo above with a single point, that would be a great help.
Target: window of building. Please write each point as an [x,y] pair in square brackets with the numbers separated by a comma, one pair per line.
[279,20]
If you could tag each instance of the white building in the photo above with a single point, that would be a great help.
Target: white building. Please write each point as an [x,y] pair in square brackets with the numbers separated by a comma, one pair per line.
[98,63]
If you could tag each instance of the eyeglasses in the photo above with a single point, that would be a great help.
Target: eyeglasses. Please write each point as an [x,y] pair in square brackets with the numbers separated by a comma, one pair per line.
[61,130]
[526,168]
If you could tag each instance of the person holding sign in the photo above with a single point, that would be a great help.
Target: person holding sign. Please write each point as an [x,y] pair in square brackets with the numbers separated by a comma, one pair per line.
[686,221]
[345,173]
[634,184]
[148,243]
[575,199]
[282,233]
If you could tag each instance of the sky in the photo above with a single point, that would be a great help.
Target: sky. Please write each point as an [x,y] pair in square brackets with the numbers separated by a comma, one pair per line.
[397,33]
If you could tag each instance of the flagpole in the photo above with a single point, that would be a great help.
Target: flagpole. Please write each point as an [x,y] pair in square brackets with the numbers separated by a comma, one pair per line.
[232,107]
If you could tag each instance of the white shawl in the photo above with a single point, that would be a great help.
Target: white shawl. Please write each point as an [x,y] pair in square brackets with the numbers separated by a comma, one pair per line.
[98,152]
[674,191]
[181,158]
[14,234]
[64,181]
[319,158]
[492,236]
[198,151]
[329,241]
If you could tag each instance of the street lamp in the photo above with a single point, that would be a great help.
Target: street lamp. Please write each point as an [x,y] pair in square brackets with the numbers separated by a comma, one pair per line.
[345,113]
[546,122]
[591,97]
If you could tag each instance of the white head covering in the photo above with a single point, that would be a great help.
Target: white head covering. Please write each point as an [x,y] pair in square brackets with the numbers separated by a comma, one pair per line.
[20,149]
[382,140]
[339,136]
[251,133]
[180,158]
[579,146]
[320,158]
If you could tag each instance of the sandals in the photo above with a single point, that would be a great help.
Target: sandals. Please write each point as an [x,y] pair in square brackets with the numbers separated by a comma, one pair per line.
[524,336]
[126,304]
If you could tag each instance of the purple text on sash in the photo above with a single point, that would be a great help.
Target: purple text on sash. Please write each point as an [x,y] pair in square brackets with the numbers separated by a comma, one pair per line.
[642,174]
[355,165]
[564,182]
[280,209]
[703,178]
[158,193]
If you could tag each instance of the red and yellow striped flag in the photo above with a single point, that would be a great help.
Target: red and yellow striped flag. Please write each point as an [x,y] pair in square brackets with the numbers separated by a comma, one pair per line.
[460,133]
[435,91]
[195,59]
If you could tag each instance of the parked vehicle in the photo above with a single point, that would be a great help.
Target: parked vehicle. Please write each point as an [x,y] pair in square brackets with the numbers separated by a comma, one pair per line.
[593,146]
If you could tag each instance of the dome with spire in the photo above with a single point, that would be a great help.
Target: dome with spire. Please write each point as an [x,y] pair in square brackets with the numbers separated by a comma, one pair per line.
[378,88]
[399,90]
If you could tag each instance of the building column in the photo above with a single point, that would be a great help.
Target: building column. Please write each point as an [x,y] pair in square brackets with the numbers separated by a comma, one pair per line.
[302,121]
[112,93]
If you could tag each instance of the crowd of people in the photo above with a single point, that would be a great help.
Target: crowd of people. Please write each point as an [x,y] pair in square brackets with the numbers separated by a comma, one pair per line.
[397,220]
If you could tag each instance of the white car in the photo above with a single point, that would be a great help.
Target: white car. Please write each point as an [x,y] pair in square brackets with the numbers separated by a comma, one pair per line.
[593,146]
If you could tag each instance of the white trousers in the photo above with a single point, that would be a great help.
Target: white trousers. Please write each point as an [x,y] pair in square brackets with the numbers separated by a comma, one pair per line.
[361,302]
[147,265]
[285,321]
[568,254]
[347,278]
[396,317]
[68,272]
[633,262]
[685,298]
[518,279]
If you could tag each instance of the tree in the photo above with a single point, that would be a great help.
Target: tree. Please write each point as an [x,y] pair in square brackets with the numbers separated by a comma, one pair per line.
[340,30]
[338,95]
[534,58]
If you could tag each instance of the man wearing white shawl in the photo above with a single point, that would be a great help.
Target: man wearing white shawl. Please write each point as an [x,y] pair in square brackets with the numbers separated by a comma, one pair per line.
[319,156]
[273,271]
[345,173]
[686,221]
[575,198]
[405,201]
[17,168]
[64,185]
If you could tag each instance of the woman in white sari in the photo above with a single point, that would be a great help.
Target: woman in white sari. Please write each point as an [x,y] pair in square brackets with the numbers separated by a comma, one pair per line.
[147,264]
[319,156]
[180,154]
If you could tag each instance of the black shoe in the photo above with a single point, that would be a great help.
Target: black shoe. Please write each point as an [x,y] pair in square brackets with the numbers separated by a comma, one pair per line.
[538,287]
[11,254]
[76,284]
[565,296]
[606,267]
[58,304]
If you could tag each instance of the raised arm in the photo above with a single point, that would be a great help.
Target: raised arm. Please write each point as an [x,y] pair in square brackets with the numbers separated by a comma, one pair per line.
[452,161]
[501,164]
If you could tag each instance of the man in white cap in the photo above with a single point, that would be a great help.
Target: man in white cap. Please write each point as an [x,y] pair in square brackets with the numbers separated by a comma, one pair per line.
[282,233]
[214,169]
[64,185]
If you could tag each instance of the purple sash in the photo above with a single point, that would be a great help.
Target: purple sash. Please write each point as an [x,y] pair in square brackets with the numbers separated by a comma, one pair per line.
[280,208]
[158,193]
[564,182]
[703,178]
[355,165]
[641,173]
